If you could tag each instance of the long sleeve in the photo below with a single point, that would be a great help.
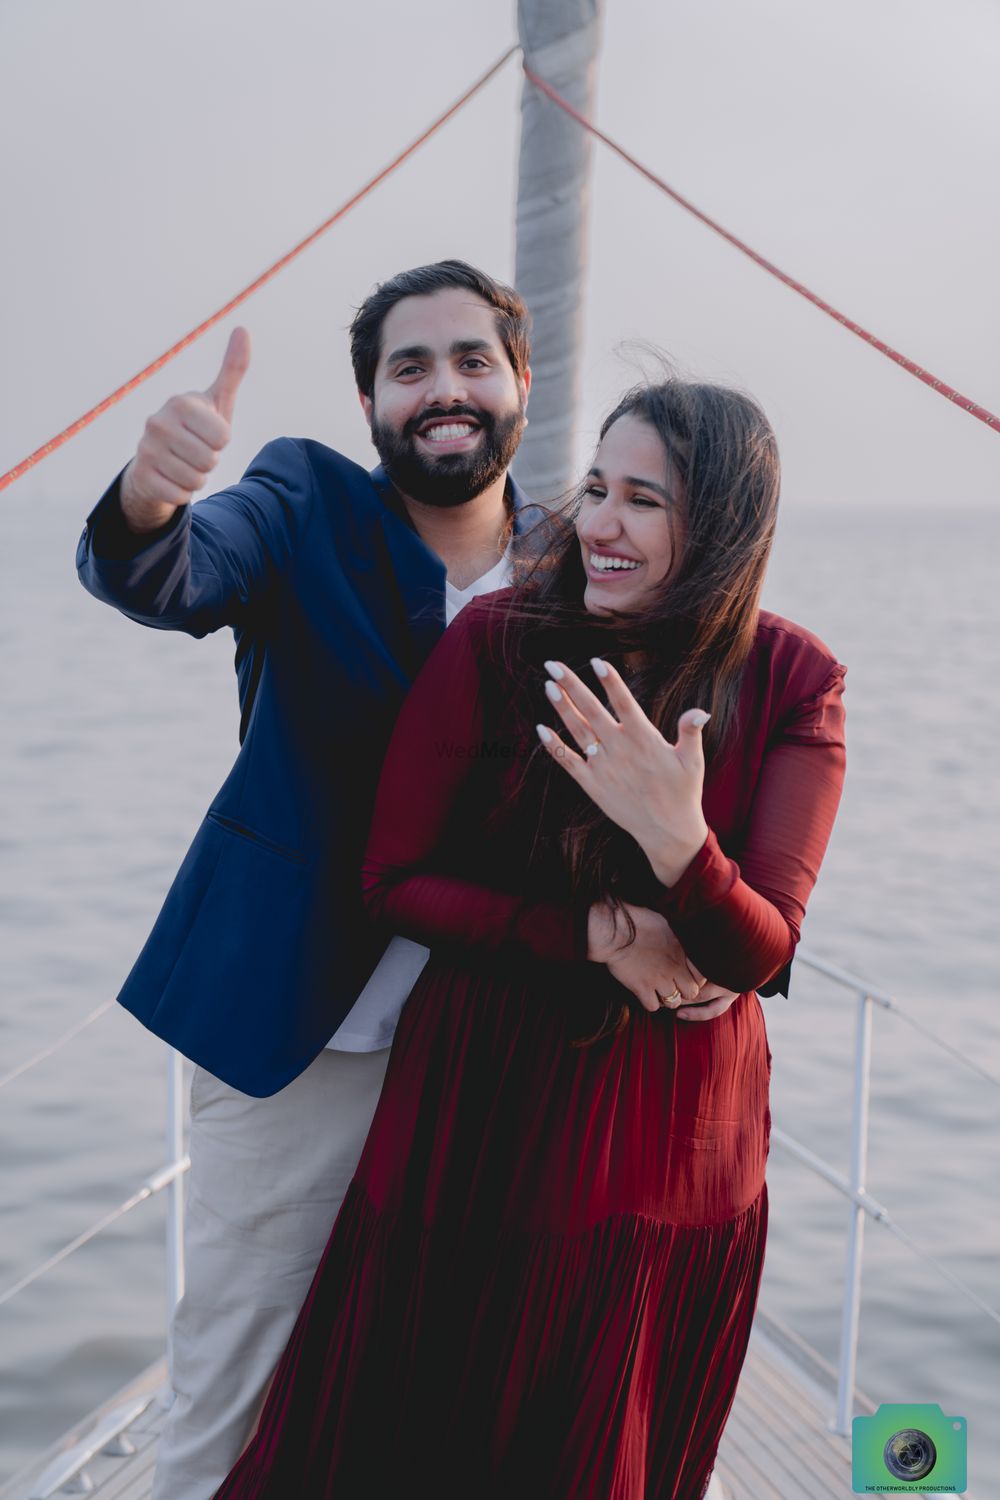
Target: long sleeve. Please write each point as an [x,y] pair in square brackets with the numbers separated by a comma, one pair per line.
[740,922]
[214,563]
[433,755]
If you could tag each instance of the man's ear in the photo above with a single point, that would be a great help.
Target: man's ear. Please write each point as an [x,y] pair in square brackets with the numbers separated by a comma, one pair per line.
[526,383]
[367,406]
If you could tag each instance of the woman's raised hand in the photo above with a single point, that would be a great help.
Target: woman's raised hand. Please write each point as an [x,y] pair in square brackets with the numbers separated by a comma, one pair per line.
[650,788]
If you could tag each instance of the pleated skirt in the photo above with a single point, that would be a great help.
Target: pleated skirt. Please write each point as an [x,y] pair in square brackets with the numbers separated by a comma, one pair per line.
[543,1276]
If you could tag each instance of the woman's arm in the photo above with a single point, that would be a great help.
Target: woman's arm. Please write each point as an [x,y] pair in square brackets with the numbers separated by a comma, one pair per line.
[737,923]
[740,922]
[435,754]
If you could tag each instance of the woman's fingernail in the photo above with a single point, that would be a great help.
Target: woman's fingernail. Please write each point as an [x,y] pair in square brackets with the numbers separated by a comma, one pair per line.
[700,718]
[554,693]
[555,670]
[599,666]
[545,735]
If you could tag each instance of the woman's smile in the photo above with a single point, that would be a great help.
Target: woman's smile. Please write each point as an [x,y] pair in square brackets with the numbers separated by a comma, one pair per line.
[604,566]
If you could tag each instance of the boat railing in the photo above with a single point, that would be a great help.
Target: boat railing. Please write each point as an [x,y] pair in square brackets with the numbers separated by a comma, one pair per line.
[169,1177]
[852,1186]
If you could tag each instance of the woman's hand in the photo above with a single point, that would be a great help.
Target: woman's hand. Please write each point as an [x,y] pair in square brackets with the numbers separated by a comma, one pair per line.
[652,966]
[650,788]
[713,1000]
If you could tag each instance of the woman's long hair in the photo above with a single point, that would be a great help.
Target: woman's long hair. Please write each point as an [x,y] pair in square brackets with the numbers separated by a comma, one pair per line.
[696,629]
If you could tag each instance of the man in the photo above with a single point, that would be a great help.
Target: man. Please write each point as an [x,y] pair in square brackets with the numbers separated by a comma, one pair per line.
[336,584]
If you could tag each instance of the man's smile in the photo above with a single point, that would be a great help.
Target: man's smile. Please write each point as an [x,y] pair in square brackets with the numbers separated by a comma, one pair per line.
[449,434]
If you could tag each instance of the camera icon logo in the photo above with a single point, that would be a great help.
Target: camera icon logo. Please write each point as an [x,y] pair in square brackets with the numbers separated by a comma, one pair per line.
[908,1448]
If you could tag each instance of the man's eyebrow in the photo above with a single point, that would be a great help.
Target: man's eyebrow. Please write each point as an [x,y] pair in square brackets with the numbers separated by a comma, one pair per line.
[424,352]
[638,484]
[412,351]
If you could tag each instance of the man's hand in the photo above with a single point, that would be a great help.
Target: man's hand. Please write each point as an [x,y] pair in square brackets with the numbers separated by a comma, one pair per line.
[652,965]
[181,444]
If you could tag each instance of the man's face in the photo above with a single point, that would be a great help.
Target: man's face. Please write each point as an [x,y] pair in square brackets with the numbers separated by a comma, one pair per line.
[447,410]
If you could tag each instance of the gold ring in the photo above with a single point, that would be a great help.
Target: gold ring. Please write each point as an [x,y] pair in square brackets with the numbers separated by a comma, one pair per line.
[592,748]
[669,999]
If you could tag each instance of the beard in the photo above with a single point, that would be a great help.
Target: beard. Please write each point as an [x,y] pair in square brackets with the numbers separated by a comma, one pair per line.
[451,478]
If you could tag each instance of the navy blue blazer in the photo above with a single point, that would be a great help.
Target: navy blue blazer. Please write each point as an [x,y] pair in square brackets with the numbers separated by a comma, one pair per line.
[262,944]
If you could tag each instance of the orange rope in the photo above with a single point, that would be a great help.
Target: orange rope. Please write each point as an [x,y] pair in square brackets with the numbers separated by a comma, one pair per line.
[940,386]
[255,285]
[908,364]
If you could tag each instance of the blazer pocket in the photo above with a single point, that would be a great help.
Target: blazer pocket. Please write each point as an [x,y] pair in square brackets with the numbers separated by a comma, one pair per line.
[260,840]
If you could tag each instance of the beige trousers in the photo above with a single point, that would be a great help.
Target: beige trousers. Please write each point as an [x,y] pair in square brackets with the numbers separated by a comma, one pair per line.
[267,1179]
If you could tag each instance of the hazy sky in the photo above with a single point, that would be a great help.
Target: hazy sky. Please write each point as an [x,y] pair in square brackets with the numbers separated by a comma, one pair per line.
[159,156]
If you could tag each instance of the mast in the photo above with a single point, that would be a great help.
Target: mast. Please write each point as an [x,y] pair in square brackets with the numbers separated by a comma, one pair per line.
[559,39]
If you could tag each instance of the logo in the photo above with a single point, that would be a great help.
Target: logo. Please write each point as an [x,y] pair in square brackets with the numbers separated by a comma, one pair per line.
[908,1449]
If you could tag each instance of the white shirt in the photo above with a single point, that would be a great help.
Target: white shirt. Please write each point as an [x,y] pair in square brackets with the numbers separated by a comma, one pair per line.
[371,1021]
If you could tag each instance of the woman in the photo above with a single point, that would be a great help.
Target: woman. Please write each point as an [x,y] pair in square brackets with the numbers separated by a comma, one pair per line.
[542,1280]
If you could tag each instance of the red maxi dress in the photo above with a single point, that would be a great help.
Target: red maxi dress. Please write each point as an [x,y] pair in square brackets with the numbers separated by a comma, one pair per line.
[541,1283]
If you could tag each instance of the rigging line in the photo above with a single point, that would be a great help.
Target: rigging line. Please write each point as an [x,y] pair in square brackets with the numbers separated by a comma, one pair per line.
[885,1002]
[949,1276]
[939,1041]
[909,365]
[256,284]
[152,1185]
[52,1047]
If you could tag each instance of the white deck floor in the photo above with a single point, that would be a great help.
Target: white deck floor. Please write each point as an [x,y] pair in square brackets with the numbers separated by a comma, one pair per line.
[776,1447]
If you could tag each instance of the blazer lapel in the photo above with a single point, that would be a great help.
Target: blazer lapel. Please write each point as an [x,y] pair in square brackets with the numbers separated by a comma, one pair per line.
[414,578]
[526,512]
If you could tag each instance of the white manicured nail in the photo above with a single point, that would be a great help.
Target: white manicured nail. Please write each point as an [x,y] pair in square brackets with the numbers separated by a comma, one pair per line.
[599,666]
[545,735]
[554,694]
[555,670]
[700,718]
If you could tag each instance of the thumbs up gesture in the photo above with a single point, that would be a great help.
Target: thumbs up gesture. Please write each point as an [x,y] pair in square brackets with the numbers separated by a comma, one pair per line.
[181,443]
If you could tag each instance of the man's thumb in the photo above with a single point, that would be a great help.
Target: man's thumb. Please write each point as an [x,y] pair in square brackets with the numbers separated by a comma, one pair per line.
[235,363]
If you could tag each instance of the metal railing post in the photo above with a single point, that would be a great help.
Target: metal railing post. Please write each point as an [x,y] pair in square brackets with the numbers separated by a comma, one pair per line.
[175,1192]
[851,1311]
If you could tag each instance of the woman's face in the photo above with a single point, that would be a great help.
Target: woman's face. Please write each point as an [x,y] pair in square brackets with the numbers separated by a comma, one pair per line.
[630,524]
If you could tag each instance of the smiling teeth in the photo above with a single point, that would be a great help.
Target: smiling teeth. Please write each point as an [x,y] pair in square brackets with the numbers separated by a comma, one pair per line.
[607,564]
[448,433]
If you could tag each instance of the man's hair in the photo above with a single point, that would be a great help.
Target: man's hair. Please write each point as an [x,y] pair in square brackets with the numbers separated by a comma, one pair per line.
[512,316]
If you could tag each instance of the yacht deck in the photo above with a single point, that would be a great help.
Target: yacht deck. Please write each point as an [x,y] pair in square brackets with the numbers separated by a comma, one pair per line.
[777,1445]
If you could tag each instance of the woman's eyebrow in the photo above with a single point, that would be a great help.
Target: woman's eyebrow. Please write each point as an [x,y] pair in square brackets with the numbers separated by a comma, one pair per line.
[637,483]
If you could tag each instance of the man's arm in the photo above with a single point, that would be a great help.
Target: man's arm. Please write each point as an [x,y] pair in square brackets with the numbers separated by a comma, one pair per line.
[167,564]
